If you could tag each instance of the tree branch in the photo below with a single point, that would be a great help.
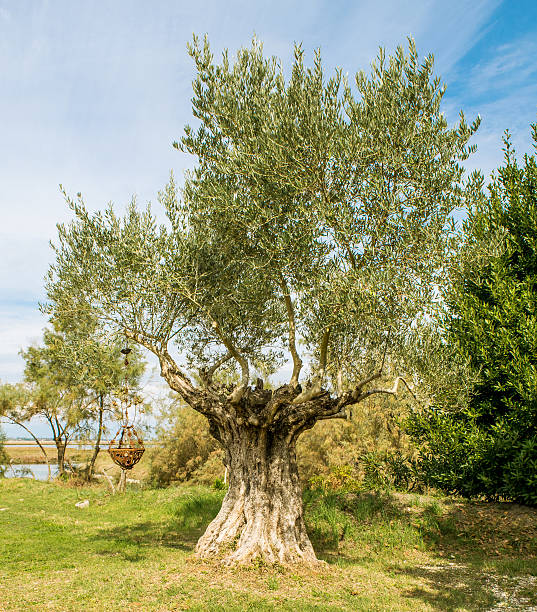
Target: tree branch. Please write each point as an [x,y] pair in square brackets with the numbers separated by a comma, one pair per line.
[297,362]
[238,392]
[206,375]
[323,354]
[372,377]
[392,391]
[168,368]
[316,389]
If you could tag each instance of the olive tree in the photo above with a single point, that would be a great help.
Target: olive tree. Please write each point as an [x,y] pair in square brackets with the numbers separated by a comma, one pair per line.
[313,229]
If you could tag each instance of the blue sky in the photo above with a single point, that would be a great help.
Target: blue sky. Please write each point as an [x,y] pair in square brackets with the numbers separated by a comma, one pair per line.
[94,93]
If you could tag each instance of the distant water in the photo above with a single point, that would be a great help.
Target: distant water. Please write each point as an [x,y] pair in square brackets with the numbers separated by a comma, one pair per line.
[47,444]
[38,471]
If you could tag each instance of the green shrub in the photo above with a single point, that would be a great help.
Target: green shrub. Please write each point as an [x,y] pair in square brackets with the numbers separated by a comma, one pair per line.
[460,456]
[220,485]
[185,451]
[372,471]
[385,470]
[339,478]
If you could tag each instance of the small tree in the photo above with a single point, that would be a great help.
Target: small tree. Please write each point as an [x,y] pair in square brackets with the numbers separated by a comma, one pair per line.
[316,213]
[91,362]
[490,446]
[61,406]
[14,402]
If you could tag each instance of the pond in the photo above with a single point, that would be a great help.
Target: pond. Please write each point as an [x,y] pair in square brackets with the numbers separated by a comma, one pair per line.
[39,471]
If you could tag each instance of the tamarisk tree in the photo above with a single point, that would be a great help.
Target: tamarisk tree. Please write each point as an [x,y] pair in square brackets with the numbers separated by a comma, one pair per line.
[312,230]
[89,363]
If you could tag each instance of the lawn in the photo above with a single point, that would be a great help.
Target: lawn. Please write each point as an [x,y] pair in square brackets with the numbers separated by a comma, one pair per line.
[383,552]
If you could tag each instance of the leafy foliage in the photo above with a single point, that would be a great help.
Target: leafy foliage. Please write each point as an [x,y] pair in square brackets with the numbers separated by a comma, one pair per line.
[185,451]
[490,447]
[319,210]
[318,216]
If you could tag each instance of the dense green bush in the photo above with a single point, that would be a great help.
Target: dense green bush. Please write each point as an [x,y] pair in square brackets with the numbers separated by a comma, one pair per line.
[489,448]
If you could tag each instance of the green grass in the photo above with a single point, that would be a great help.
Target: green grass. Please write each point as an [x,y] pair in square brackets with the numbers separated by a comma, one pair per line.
[383,552]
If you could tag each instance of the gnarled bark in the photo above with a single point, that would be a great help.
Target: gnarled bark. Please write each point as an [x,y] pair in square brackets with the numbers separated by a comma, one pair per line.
[261,515]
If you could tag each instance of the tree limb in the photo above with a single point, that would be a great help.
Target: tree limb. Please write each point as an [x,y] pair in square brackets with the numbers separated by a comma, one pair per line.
[323,354]
[374,376]
[206,375]
[168,368]
[392,391]
[316,389]
[297,362]
[238,392]
[341,414]
[337,407]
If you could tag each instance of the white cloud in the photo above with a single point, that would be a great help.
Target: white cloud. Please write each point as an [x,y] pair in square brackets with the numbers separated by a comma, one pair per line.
[21,325]
[512,64]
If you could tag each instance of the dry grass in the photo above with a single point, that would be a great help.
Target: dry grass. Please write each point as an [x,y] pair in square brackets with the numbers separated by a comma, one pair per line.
[33,454]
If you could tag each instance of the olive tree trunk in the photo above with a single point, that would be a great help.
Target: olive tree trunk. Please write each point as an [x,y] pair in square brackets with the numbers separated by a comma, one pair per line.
[261,515]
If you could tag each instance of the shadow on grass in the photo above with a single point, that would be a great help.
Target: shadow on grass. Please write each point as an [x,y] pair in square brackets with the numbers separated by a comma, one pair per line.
[146,535]
[338,523]
[449,554]
[180,528]
[487,552]
[450,587]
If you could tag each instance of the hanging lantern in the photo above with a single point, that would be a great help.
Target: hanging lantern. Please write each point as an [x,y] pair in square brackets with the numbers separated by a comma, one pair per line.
[127,447]
[130,448]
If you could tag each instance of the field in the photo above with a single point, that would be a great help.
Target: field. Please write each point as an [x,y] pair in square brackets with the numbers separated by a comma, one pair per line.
[33,455]
[383,552]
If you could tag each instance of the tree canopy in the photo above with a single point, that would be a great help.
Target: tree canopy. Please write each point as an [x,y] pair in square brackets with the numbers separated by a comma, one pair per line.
[318,210]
